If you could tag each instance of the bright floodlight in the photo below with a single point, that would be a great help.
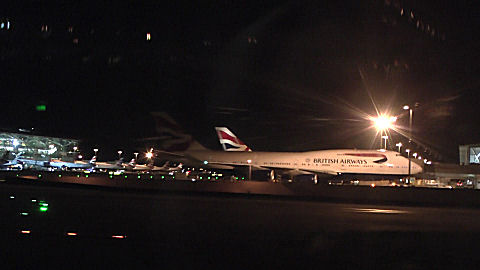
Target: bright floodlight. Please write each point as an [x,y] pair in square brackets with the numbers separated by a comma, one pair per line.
[383,122]
[249,161]
[406,107]
[149,155]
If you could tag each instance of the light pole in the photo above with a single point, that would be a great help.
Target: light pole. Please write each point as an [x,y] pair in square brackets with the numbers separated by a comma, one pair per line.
[410,122]
[399,145]
[95,150]
[119,154]
[409,163]
[136,155]
[249,169]
[385,137]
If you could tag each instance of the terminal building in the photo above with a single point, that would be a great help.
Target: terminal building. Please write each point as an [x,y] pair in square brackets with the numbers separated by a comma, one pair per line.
[466,174]
[37,147]
[469,154]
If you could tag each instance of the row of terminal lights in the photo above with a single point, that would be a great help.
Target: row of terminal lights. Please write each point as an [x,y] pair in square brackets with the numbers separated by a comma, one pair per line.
[139,177]
[71,234]
[111,176]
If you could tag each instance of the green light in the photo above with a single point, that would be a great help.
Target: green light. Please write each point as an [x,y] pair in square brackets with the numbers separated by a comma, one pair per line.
[209,178]
[163,176]
[236,178]
[59,175]
[243,178]
[39,176]
[201,178]
[138,177]
[126,176]
[110,176]
[86,176]
[216,178]
[78,175]
[24,214]
[41,107]
[43,209]
[173,177]
[17,175]
[151,176]
[43,204]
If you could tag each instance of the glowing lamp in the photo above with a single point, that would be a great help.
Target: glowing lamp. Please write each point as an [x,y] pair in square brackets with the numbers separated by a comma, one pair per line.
[383,122]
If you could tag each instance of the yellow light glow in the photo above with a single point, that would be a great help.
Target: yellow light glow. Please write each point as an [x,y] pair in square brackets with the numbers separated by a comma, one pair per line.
[149,155]
[383,122]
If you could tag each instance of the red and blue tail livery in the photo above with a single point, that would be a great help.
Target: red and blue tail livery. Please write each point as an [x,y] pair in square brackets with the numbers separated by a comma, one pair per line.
[229,141]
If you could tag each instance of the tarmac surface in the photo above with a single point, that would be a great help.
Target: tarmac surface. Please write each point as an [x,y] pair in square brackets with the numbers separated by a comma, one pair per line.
[135,229]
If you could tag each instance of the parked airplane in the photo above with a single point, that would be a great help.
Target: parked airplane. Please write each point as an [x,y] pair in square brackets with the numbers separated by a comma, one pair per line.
[357,163]
[6,164]
[55,163]
[31,162]
[166,167]
[110,165]
[132,165]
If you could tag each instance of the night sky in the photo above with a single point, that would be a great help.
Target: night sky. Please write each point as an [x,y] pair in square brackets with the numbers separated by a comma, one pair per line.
[283,75]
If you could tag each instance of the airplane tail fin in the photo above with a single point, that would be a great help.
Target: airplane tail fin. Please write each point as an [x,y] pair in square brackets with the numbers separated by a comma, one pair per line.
[93,160]
[229,141]
[172,137]
[132,162]
[18,156]
[119,162]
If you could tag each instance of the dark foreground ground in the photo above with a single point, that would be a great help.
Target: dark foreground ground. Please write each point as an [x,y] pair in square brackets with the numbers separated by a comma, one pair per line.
[174,230]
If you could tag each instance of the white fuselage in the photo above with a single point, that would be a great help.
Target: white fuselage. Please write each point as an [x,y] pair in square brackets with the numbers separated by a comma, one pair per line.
[108,166]
[333,162]
[76,165]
